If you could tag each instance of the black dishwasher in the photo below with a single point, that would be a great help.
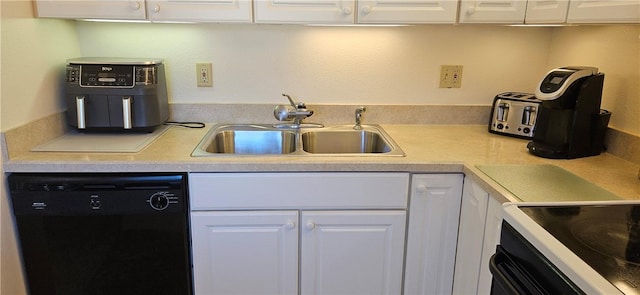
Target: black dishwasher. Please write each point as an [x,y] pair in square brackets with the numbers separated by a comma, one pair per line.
[101,233]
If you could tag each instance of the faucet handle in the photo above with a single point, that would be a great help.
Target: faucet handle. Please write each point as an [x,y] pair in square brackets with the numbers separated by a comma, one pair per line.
[298,113]
[293,104]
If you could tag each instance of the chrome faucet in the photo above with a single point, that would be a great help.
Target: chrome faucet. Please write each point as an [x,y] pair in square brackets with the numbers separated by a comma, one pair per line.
[359,112]
[297,112]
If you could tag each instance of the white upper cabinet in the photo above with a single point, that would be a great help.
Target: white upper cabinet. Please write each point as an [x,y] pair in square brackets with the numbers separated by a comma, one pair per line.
[154,10]
[304,11]
[492,11]
[348,11]
[403,11]
[200,11]
[546,11]
[604,11]
[97,9]
[355,11]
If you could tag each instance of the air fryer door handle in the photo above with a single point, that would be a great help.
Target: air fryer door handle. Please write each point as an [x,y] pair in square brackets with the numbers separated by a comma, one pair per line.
[80,112]
[126,111]
[510,276]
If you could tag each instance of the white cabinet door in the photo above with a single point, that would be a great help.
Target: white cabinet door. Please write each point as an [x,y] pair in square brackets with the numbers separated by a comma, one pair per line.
[493,11]
[604,11]
[546,11]
[352,252]
[432,233]
[96,9]
[402,11]
[491,239]
[253,252]
[473,213]
[200,11]
[304,11]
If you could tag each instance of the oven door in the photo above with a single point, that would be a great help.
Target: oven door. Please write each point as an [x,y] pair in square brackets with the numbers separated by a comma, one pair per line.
[518,268]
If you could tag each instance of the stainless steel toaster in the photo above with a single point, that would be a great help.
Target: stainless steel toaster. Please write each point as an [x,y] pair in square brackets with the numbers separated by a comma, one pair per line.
[514,114]
[116,94]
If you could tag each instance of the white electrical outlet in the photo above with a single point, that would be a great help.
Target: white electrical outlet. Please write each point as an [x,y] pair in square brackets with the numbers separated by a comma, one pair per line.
[204,74]
[451,76]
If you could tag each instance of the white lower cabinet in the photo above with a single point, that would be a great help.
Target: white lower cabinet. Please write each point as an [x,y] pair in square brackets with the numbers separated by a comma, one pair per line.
[473,213]
[432,233]
[336,233]
[252,252]
[352,252]
[479,233]
[491,239]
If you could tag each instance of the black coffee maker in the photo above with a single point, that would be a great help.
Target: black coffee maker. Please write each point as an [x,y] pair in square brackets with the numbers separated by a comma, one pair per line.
[570,123]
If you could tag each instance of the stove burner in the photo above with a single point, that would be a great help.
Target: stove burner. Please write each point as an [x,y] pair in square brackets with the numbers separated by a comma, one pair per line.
[609,237]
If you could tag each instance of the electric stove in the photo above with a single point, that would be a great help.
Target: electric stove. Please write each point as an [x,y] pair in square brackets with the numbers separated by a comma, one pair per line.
[604,236]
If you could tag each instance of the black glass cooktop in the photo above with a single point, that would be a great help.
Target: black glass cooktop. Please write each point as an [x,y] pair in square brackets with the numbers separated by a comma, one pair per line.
[605,237]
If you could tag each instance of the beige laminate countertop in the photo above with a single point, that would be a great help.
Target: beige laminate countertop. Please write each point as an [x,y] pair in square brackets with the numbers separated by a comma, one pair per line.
[428,148]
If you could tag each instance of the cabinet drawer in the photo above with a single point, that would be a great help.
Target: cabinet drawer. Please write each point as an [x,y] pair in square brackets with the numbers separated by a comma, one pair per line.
[216,191]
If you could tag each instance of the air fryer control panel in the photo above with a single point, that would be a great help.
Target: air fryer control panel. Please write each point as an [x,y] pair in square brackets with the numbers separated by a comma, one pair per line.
[111,76]
[514,114]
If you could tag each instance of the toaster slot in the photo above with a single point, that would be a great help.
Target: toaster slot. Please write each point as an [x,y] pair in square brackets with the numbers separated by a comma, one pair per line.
[503,112]
[529,115]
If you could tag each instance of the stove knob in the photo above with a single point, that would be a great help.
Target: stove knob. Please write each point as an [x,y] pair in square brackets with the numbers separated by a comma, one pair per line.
[159,201]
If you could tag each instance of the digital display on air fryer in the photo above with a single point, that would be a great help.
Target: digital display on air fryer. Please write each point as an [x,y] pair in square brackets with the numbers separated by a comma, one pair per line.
[107,75]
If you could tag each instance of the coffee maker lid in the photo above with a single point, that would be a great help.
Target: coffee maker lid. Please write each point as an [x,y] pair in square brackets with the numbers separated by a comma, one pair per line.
[557,81]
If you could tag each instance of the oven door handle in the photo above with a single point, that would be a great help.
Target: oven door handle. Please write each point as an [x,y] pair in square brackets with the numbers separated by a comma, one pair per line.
[511,277]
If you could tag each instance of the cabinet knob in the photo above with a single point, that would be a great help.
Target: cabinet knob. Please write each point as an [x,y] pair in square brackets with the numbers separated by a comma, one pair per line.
[366,10]
[156,8]
[290,225]
[421,188]
[310,225]
[471,9]
[135,5]
[347,10]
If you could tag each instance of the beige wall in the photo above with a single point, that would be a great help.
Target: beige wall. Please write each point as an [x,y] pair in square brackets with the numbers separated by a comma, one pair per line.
[331,65]
[615,50]
[399,65]
[34,52]
[321,65]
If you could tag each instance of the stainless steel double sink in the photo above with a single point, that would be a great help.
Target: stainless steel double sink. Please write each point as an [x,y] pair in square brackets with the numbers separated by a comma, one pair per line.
[258,139]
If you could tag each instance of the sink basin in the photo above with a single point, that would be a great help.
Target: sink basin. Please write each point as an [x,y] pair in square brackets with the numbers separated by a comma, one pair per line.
[348,141]
[246,140]
[255,139]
